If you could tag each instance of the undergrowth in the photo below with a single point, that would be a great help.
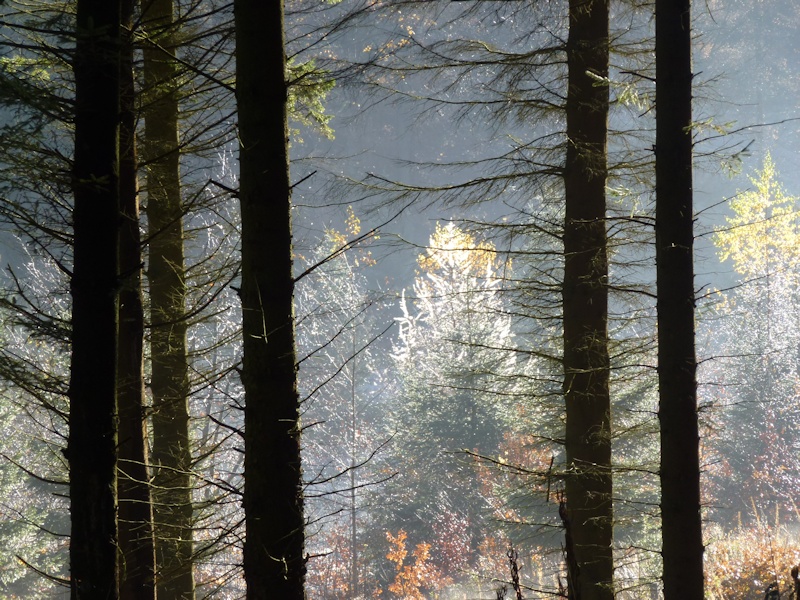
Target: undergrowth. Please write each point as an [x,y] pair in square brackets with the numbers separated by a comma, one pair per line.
[743,562]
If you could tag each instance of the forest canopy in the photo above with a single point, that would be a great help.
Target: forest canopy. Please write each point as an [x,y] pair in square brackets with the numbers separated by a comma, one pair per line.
[399,299]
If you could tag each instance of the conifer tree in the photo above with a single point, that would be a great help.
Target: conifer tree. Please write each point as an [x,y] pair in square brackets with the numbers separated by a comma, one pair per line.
[274,565]
[587,443]
[92,446]
[681,526]
[166,277]
[136,544]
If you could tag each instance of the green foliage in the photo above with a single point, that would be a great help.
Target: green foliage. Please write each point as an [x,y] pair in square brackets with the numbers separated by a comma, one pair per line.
[452,359]
[24,68]
[308,88]
[33,511]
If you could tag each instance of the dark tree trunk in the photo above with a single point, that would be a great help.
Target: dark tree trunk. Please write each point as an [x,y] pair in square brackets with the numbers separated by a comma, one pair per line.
[274,565]
[585,298]
[92,445]
[137,567]
[171,456]
[682,540]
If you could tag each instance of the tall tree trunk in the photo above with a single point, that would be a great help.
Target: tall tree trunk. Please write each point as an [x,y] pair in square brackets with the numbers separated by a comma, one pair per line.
[274,565]
[585,306]
[92,444]
[682,540]
[135,517]
[171,456]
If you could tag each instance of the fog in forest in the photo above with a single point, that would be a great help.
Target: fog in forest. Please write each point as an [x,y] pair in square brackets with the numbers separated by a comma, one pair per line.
[427,144]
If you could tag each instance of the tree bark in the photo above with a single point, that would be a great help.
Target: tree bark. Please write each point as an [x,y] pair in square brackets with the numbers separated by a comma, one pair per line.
[92,445]
[135,517]
[585,306]
[171,456]
[682,540]
[274,565]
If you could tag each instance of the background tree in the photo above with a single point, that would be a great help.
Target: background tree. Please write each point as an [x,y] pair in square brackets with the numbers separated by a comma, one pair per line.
[521,159]
[756,333]
[135,514]
[343,381]
[166,276]
[35,508]
[455,361]
[37,105]
[35,195]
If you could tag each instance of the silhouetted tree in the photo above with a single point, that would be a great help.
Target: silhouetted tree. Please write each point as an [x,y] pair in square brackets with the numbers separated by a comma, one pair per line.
[135,517]
[585,305]
[274,565]
[92,446]
[682,540]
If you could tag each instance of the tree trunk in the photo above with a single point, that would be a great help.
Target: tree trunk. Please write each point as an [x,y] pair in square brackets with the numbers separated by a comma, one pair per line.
[135,517]
[92,445]
[585,306]
[172,458]
[274,565]
[682,540]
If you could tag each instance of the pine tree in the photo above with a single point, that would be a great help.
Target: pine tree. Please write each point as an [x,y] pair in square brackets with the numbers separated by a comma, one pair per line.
[92,446]
[166,277]
[681,527]
[454,359]
[587,442]
[274,565]
[135,517]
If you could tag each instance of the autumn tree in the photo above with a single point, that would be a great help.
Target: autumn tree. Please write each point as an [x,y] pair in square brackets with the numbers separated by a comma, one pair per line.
[455,361]
[410,579]
[756,326]
[545,159]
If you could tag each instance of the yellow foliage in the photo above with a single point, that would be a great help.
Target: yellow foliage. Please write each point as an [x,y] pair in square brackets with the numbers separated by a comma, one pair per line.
[453,248]
[411,578]
[353,222]
[742,563]
[343,240]
[763,235]
[352,228]
[398,552]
